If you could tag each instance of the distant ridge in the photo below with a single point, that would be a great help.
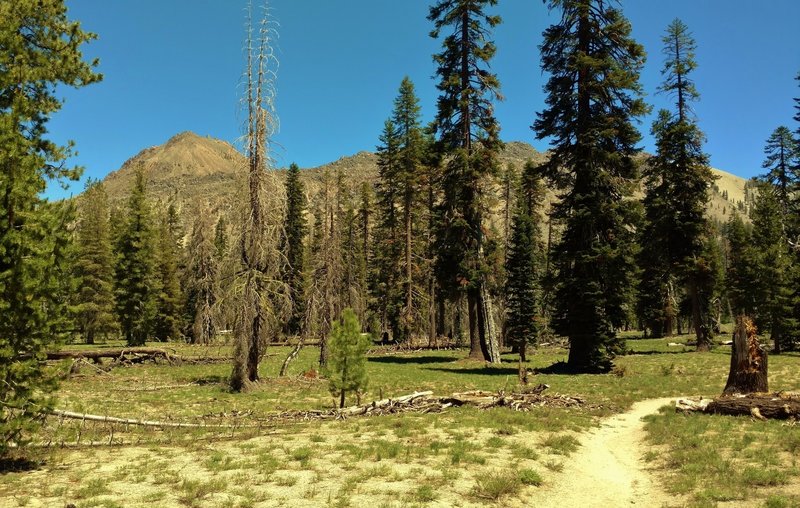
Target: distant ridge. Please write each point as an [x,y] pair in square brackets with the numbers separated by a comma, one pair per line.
[193,170]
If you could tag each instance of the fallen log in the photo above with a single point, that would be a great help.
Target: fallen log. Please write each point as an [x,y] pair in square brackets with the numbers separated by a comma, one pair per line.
[142,423]
[119,353]
[779,406]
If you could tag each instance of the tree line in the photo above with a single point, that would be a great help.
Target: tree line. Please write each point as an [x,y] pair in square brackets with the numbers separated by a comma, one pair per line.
[421,253]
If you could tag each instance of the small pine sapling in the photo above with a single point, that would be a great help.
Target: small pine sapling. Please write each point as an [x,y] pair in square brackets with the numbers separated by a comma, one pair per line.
[346,368]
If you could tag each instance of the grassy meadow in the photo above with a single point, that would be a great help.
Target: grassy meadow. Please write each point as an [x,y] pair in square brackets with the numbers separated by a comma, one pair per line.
[460,457]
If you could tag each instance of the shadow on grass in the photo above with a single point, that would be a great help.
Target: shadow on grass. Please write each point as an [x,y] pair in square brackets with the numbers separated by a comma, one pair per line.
[646,353]
[480,371]
[18,465]
[405,360]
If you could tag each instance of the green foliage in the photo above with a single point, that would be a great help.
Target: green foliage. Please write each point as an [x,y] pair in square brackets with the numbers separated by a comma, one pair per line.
[137,281]
[776,293]
[170,299]
[523,264]
[677,181]
[294,231]
[783,168]
[741,277]
[593,96]
[94,266]
[201,281]
[347,360]
[41,50]
[397,275]
[468,134]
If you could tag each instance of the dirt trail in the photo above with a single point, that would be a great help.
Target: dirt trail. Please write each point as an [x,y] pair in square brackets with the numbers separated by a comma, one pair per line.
[607,470]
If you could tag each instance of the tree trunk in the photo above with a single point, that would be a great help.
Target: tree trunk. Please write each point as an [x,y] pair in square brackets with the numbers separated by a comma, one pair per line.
[748,371]
[475,351]
[292,355]
[488,328]
[701,331]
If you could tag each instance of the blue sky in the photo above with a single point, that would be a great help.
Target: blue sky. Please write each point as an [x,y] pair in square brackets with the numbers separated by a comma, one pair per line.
[175,65]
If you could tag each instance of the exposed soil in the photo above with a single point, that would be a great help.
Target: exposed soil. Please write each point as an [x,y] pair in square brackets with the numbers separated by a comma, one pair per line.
[608,469]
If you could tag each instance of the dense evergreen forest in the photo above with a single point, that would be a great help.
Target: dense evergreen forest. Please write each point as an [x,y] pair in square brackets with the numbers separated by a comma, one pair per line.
[446,249]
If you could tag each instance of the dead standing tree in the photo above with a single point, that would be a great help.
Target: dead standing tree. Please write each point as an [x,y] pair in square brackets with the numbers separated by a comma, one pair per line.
[257,289]
[748,372]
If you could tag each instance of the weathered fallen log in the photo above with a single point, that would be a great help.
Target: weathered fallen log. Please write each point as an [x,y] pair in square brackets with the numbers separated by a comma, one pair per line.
[780,406]
[142,423]
[119,353]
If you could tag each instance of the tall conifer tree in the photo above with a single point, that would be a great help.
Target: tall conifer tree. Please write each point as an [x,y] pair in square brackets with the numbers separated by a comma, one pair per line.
[782,163]
[677,180]
[170,299]
[777,297]
[41,49]
[202,281]
[593,96]
[94,266]
[137,283]
[468,134]
[294,231]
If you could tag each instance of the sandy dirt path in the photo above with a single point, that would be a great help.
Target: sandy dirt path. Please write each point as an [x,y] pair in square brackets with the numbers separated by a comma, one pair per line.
[607,470]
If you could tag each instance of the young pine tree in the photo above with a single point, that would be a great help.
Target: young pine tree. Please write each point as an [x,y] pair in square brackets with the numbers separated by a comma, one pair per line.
[41,51]
[346,369]
[94,266]
[468,134]
[593,96]
[137,279]
[294,230]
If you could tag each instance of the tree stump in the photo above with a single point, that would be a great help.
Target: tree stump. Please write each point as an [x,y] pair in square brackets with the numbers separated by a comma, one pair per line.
[748,373]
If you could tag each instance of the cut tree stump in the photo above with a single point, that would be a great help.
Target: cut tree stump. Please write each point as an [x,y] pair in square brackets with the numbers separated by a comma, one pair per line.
[748,371]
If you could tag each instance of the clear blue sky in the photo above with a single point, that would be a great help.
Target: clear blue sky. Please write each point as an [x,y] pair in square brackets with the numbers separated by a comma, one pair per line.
[175,65]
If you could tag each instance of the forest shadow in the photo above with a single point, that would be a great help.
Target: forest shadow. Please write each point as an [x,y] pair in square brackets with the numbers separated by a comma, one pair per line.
[18,465]
[480,371]
[406,360]
[649,353]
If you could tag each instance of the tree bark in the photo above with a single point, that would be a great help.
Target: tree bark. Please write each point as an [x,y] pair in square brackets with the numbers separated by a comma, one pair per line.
[748,371]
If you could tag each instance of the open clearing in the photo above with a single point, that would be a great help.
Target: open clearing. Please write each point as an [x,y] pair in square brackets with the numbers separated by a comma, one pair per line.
[461,457]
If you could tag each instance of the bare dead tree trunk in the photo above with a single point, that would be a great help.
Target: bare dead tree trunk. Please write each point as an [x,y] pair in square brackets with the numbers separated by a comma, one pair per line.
[748,372]
[290,358]
[260,262]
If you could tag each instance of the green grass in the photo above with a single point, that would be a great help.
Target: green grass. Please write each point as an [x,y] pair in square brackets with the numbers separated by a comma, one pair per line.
[497,484]
[704,453]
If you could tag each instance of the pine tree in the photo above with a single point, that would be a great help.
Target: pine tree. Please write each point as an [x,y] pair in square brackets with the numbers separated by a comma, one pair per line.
[468,134]
[677,180]
[202,281]
[741,279]
[593,95]
[137,283]
[346,369]
[94,266]
[386,289]
[41,50]
[294,230]
[776,295]
[523,267]
[364,235]
[406,116]
[170,299]
[783,168]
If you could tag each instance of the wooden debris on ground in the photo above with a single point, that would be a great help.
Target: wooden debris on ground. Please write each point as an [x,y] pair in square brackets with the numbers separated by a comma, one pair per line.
[418,402]
[762,406]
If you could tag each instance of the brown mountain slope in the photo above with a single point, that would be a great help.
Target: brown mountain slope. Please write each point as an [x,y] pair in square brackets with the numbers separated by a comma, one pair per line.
[193,170]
